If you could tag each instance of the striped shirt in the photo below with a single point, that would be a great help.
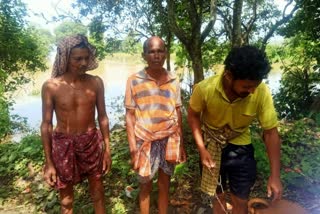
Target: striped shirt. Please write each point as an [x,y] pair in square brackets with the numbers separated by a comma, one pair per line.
[154,105]
[156,117]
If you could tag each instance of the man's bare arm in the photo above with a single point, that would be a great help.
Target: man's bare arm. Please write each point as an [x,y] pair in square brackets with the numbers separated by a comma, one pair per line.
[195,124]
[46,132]
[183,155]
[273,144]
[130,124]
[103,124]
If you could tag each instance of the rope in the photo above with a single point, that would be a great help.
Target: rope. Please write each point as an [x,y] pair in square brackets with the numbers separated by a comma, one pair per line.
[216,195]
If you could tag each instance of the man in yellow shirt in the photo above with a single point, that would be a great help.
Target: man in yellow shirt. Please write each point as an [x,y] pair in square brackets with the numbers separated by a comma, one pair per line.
[221,110]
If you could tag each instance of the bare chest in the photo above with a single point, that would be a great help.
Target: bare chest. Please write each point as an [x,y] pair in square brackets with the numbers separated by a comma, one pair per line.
[68,98]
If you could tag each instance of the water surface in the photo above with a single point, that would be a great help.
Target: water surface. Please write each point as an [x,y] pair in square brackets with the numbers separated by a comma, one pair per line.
[114,75]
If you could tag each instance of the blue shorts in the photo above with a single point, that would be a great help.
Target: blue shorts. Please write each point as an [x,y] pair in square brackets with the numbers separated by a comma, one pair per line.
[238,169]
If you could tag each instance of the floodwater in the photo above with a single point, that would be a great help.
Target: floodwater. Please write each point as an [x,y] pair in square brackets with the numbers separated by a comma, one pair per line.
[114,75]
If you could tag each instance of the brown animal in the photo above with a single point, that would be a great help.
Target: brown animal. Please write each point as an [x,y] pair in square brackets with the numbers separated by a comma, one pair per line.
[262,206]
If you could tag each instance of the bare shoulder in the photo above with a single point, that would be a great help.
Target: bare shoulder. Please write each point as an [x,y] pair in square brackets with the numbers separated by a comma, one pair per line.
[50,84]
[95,80]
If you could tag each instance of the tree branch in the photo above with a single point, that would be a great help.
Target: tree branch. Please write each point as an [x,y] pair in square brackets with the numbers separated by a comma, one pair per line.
[213,16]
[280,22]
[179,32]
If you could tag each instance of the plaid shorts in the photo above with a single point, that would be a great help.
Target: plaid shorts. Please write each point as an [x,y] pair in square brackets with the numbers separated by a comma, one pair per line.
[157,160]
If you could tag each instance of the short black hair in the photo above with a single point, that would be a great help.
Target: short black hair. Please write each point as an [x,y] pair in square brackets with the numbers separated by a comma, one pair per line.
[247,62]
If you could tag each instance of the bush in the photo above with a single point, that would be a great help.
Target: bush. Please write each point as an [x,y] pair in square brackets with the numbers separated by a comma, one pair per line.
[300,155]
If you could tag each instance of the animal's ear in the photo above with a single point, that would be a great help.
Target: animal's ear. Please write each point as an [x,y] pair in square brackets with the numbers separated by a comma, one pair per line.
[256,204]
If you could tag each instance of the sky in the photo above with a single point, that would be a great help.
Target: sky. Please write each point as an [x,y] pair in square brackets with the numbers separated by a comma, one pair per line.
[53,7]
[49,8]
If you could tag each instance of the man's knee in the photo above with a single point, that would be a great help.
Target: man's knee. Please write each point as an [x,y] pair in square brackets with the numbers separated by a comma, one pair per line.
[145,188]
[66,203]
[240,205]
[219,203]
[240,202]
[97,194]
[163,184]
[66,199]
[163,180]
[96,189]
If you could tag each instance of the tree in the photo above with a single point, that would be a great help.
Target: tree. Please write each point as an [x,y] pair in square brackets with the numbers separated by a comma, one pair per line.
[22,48]
[68,28]
[307,22]
[193,23]
[23,51]
[146,17]
[254,21]
[186,21]
[301,77]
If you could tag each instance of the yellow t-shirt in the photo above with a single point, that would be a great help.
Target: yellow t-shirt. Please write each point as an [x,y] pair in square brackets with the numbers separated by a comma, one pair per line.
[217,111]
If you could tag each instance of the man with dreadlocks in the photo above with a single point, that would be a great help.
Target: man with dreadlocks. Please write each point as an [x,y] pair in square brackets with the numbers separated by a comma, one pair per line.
[75,149]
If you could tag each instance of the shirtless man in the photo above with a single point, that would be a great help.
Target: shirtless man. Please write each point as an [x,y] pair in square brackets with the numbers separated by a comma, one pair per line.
[75,149]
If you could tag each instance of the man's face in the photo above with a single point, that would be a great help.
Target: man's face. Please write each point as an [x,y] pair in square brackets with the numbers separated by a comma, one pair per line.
[78,60]
[156,53]
[242,88]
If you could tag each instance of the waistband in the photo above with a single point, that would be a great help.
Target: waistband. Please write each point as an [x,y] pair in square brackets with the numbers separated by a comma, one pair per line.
[92,131]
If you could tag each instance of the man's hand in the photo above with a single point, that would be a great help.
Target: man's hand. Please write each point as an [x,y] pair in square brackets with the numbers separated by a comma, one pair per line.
[206,159]
[50,174]
[134,159]
[274,188]
[183,154]
[107,162]
[273,145]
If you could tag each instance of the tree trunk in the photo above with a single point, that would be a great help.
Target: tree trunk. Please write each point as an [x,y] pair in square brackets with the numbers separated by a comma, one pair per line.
[193,40]
[197,70]
[196,58]
[236,31]
[168,61]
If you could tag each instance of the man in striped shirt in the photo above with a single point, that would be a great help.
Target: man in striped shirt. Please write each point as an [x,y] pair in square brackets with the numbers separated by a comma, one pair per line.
[153,122]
